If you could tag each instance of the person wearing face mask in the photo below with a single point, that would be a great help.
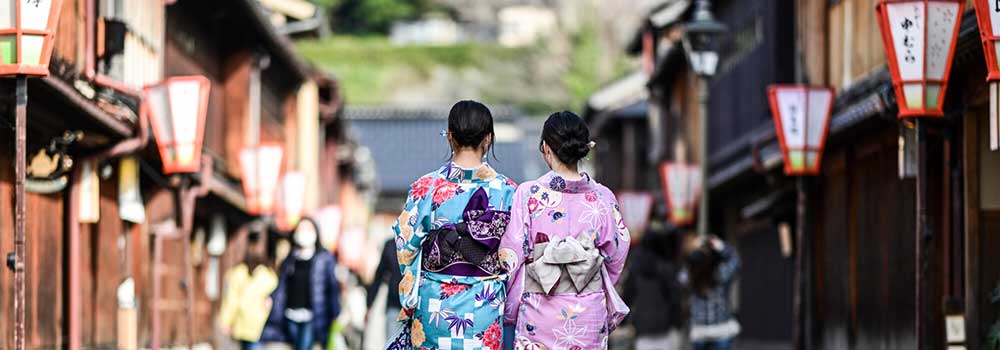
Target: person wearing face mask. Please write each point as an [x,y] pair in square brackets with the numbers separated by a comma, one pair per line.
[307,298]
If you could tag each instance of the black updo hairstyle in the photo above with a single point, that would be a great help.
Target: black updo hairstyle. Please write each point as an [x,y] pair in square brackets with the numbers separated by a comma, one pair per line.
[469,122]
[567,135]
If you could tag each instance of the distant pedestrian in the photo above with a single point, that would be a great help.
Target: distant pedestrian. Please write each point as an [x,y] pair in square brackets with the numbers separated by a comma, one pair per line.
[565,247]
[387,273]
[246,302]
[307,299]
[712,265]
[654,293]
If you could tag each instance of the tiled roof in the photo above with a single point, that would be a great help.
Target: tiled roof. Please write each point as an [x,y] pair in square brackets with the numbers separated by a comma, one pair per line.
[407,144]
[500,113]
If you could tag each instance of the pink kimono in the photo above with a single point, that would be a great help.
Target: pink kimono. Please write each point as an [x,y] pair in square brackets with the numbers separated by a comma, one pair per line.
[562,238]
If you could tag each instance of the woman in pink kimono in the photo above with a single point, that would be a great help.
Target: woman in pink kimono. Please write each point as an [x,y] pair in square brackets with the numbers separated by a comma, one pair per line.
[565,247]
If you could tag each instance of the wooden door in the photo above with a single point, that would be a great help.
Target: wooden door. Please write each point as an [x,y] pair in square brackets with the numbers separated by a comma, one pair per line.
[865,263]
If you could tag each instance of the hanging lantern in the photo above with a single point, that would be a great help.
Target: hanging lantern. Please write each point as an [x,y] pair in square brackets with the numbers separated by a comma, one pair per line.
[291,200]
[261,166]
[801,116]
[919,38]
[177,109]
[988,16]
[27,30]
[682,189]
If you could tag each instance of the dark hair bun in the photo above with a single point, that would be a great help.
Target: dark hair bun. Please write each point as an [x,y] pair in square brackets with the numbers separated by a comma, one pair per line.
[469,122]
[567,135]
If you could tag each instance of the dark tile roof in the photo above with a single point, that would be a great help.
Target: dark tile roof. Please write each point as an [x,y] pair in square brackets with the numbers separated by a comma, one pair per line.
[407,144]
[500,113]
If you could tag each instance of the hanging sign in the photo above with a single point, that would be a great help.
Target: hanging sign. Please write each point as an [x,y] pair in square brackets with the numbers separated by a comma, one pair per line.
[801,116]
[919,38]
[130,206]
[90,193]
[261,167]
[988,16]
[635,208]
[682,189]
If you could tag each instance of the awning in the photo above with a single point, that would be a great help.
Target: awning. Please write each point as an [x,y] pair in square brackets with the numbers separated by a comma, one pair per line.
[620,93]
[669,13]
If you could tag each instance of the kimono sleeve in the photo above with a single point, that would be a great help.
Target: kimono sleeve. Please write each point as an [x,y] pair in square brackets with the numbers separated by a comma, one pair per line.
[514,248]
[613,239]
[409,236]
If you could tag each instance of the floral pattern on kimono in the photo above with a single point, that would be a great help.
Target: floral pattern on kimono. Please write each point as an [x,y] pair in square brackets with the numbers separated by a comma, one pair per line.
[552,209]
[446,311]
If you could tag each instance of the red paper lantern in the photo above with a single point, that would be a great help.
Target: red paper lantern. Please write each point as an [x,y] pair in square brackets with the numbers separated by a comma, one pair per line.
[291,200]
[261,167]
[27,30]
[919,38]
[801,118]
[177,108]
[988,15]
[682,189]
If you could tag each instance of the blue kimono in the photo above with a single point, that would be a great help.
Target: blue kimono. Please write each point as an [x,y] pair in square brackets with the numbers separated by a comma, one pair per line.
[446,311]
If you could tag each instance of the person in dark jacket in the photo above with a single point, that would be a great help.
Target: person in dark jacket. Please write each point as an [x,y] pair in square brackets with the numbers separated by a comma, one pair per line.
[387,273]
[307,298]
[653,293]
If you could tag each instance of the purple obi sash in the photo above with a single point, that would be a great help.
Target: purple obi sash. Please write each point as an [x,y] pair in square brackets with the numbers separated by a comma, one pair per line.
[468,248]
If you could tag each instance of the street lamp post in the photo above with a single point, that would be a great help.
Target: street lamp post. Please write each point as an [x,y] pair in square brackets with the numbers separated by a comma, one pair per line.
[700,42]
[801,118]
[919,37]
[27,29]
[177,108]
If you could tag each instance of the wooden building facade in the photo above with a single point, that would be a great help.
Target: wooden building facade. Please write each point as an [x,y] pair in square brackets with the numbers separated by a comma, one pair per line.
[96,276]
[877,276]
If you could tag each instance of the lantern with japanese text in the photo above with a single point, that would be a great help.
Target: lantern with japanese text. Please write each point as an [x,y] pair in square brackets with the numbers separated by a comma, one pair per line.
[261,166]
[291,200]
[176,109]
[682,189]
[27,30]
[919,38]
[801,118]
[988,15]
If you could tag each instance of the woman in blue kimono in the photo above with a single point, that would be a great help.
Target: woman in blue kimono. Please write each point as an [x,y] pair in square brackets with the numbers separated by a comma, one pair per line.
[447,236]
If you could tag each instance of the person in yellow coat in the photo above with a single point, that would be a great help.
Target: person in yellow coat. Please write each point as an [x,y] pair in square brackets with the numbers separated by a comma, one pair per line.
[247,300]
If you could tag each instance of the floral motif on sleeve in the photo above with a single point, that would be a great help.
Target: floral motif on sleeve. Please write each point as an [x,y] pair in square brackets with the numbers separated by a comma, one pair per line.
[444,190]
[410,233]
[417,333]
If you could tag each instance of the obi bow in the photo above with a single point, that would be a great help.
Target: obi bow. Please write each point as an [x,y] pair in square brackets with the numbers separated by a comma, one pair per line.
[566,264]
[467,248]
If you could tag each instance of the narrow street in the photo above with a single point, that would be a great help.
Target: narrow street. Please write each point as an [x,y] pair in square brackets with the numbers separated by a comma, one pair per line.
[499,174]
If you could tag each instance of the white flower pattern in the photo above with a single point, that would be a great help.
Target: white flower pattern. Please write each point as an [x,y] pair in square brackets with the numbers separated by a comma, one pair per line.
[594,213]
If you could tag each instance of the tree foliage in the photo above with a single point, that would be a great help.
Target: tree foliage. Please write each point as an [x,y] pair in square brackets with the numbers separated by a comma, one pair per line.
[372,16]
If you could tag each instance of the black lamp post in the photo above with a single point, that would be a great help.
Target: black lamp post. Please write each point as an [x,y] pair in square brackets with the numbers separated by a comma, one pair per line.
[701,37]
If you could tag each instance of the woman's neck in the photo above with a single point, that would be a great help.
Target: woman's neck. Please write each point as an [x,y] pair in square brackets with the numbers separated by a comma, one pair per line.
[571,173]
[468,158]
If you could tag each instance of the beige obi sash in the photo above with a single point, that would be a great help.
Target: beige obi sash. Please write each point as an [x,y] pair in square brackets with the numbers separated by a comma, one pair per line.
[565,265]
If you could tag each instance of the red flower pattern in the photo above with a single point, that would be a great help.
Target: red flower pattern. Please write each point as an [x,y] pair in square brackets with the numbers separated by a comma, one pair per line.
[450,289]
[591,196]
[491,337]
[444,191]
[420,188]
